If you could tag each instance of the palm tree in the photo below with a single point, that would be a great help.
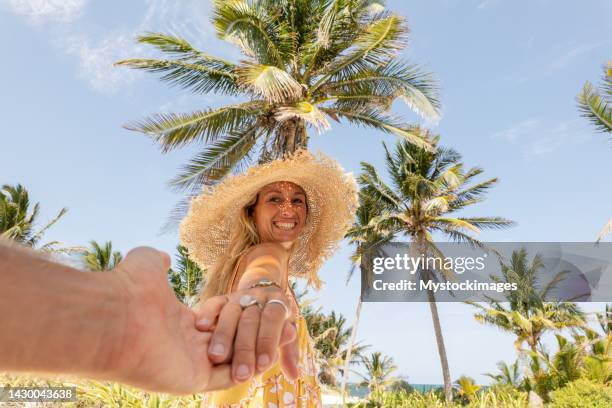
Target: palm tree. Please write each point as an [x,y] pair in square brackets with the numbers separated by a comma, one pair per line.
[525,313]
[427,187]
[330,338]
[507,375]
[187,279]
[366,241]
[18,220]
[379,372]
[303,62]
[101,258]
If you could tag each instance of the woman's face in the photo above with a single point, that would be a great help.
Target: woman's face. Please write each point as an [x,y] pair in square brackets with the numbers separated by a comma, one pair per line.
[280,212]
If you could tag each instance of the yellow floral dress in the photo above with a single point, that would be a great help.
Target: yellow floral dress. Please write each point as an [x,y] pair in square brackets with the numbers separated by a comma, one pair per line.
[271,389]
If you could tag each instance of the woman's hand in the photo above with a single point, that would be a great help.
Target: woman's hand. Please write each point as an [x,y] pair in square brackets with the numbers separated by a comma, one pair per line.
[251,338]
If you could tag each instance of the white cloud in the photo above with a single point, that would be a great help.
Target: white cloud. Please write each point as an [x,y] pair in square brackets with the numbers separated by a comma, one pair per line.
[39,11]
[96,59]
[536,138]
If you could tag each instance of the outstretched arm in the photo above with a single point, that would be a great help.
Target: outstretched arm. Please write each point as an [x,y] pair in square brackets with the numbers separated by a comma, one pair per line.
[123,325]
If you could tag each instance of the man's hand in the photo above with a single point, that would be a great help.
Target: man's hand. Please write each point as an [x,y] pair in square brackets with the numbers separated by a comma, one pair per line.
[161,349]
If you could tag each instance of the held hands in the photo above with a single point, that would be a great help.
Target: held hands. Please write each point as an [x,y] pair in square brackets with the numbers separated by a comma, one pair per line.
[167,347]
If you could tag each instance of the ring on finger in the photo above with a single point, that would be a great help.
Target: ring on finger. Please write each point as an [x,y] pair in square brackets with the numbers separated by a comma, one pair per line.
[280,302]
[248,300]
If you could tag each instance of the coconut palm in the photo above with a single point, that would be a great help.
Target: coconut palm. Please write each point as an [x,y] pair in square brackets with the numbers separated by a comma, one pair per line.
[18,220]
[525,312]
[367,243]
[303,62]
[187,278]
[426,188]
[98,258]
[379,371]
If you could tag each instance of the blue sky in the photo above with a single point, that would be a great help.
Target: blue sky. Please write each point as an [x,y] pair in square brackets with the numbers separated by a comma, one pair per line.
[509,71]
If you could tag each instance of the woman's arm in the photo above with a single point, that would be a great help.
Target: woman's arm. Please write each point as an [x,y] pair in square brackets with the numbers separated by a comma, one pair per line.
[264,261]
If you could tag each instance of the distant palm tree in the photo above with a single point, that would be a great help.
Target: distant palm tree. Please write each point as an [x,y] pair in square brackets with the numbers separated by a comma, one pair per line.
[187,278]
[99,258]
[303,63]
[525,312]
[379,371]
[507,374]
[366,241]
[18,220]
[330,338]
[427,187]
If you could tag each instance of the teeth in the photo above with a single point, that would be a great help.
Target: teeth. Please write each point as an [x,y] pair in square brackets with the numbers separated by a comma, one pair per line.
[285,225]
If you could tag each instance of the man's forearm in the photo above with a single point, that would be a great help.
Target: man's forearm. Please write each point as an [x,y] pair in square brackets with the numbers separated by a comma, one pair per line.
[50,311]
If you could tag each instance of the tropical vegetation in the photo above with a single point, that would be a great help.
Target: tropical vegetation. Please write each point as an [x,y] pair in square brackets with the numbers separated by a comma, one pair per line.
[427,187]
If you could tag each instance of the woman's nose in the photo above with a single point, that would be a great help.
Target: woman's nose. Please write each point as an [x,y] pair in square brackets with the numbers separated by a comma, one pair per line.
[287,210]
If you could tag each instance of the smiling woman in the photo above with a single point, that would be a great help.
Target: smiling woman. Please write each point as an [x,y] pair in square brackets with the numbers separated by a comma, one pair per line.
[251,233]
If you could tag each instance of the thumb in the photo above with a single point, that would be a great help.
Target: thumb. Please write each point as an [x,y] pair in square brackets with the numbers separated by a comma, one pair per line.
[145,258]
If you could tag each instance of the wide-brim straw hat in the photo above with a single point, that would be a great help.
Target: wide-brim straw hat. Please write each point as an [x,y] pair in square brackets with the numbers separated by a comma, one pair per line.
[331,196]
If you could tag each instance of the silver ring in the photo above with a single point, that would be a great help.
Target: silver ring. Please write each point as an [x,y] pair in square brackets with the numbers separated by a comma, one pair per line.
[247,301]
[280,302]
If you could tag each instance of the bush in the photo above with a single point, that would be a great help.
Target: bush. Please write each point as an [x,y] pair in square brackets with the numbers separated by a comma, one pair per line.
[582,393]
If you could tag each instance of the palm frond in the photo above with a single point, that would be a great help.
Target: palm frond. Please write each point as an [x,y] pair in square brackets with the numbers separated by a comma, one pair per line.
[595,108]
[173,130]
[306,111]
[375,119]
[217,160]
[379,42]
[262,37]
[272,83]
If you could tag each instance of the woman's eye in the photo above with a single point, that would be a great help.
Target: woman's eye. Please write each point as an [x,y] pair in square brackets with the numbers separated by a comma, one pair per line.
[275,199]
[297,201]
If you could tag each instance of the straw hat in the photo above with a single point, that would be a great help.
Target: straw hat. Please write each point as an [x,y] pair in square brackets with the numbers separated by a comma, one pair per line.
[331,196]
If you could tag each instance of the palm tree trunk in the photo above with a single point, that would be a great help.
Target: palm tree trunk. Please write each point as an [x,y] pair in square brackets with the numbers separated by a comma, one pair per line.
[350,350]
[448,390]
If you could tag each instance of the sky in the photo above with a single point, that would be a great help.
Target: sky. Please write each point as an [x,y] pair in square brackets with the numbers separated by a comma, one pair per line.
[509,74]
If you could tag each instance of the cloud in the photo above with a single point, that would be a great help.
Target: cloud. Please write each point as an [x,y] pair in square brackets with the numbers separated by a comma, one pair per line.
[39,11]
[536,138]
[96,59]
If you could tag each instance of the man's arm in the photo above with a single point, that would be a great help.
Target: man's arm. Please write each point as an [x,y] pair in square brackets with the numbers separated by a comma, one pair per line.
[55,318]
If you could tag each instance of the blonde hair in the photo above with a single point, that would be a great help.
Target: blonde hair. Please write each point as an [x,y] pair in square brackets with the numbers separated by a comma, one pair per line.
[244,236]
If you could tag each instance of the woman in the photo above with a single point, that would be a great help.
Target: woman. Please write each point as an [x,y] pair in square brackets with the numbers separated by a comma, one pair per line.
[252,232]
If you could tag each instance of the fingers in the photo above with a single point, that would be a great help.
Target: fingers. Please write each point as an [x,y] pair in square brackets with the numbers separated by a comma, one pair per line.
[271,331]
[243,361]
[208,311]
[223,337]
